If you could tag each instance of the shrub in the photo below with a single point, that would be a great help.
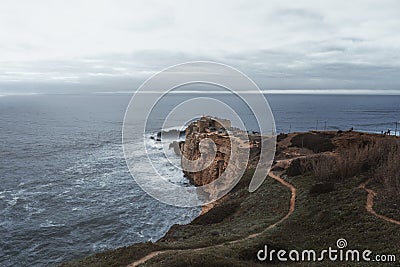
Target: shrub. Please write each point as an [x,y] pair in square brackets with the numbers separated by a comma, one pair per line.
[378,158]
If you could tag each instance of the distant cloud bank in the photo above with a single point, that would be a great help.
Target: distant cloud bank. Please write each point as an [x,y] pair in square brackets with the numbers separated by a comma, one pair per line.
[284,46]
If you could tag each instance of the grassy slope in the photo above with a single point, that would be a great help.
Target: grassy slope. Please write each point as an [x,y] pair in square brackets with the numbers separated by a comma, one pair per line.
[318,221]
[251,214]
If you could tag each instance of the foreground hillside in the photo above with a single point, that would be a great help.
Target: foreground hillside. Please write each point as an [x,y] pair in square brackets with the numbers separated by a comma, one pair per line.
[323,187]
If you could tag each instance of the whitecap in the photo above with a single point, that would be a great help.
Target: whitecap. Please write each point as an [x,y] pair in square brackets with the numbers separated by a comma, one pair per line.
[33,210]
[13,201]
[49,224]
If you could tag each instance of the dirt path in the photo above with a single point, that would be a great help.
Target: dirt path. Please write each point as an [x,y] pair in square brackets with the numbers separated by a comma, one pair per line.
[291,210]
[369,207]
[370,204]
[147,257]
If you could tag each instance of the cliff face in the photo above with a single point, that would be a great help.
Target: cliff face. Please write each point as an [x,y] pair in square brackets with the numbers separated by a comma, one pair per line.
[209,153]
[322,214]
[191,151]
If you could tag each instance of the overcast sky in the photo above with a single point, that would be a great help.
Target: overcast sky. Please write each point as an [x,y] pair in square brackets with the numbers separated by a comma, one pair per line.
[116,45]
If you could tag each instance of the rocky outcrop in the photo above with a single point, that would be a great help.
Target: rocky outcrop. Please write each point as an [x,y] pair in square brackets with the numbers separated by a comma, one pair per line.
[191,151]
[211,152]
[242,216]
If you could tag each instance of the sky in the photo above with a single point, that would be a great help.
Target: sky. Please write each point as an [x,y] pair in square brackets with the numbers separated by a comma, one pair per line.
[333,46]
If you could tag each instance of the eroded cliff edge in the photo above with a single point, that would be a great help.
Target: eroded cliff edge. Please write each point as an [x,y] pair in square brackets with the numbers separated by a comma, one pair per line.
[215,155]
[322,215]
[230,145]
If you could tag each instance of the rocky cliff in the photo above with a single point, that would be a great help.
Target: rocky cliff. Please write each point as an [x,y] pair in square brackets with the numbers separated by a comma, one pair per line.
[191,150]
[233,232]
[209,153]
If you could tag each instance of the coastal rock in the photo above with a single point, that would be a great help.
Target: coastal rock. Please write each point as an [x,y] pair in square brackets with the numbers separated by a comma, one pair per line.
[191,151]
[210,152]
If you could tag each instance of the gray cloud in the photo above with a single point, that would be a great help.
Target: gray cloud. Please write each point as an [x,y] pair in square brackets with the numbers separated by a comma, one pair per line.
[280,44]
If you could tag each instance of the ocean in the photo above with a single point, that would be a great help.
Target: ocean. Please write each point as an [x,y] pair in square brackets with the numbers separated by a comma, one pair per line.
[65,189]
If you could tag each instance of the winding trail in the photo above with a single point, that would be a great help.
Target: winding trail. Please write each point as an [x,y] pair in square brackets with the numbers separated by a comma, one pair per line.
[273,175]
[370,203]
[277,176]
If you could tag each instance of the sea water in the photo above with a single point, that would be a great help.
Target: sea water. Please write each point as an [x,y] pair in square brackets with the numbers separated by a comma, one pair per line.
[66,192]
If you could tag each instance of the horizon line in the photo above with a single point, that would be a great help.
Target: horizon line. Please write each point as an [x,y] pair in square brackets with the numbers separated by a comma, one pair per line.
[272,91]
[264,92]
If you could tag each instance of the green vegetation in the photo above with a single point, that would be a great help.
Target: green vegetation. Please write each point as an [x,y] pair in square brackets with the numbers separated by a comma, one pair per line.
[119,257]
[369,155]
[326,209]
[317,223]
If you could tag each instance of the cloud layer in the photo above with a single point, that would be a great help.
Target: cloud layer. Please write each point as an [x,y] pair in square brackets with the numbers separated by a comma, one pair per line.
[280,44]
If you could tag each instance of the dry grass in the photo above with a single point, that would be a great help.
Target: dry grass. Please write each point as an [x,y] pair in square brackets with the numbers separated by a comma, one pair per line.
[378,157]
[388,171]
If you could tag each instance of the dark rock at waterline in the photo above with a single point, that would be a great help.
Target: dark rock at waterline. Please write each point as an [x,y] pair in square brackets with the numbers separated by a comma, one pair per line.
[157,139]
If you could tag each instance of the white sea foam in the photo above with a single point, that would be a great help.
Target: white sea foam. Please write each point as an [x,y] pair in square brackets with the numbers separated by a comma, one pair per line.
[50,223]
